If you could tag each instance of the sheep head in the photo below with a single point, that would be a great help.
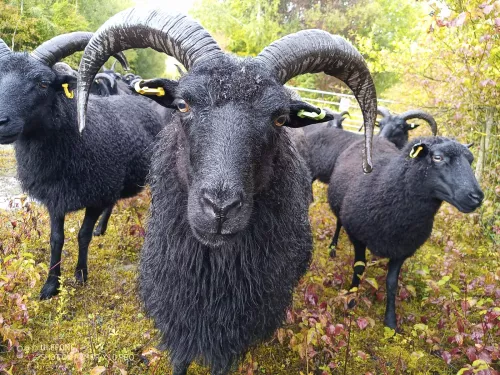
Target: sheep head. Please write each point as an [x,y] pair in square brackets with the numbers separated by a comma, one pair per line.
[396,128]
[232,113]
[29,83]
[447,167]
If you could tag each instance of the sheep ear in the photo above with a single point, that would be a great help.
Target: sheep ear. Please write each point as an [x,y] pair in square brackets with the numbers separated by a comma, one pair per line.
[160,90]
[413,126]
[303,114]
[66,83]
[418,150]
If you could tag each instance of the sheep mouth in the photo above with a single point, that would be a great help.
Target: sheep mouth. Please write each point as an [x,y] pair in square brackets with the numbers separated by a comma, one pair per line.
[214,239]
[465,207]
[7,139]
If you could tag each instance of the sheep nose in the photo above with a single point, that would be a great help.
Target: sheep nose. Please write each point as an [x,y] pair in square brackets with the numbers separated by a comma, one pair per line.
[220,209]
[476,197]
[4,120]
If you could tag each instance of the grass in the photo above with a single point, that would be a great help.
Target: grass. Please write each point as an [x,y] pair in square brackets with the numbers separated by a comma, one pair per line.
[448,304]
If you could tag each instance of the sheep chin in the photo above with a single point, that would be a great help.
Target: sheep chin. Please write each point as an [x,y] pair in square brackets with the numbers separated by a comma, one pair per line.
[214,240]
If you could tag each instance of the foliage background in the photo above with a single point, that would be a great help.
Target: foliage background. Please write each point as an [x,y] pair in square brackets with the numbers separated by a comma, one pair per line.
[25,24]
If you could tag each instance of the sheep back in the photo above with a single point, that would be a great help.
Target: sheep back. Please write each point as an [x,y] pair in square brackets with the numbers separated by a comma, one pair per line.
[399,217]
[67,171]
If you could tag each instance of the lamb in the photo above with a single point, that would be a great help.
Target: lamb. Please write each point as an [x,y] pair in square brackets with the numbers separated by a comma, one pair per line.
[58,166]
[228,236]
[410,185]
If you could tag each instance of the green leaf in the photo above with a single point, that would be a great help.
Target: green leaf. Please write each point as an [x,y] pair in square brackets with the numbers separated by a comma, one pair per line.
[372,282]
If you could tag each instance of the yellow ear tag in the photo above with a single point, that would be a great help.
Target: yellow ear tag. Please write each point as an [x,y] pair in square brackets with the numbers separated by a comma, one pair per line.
[414,152]
[69,94]
[159,91]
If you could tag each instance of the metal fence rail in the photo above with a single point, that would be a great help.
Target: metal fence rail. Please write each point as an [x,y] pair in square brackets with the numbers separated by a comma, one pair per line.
[337,102]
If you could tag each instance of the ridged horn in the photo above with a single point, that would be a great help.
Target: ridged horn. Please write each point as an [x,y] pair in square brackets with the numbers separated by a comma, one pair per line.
[417,113]
[107,77]
[61,46]
[384,112]
[172,33]
[4,49]
[314,51]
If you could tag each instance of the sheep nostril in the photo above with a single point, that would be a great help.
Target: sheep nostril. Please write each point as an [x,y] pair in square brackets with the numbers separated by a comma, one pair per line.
[232,206]
[4,120]
[478,198]
[220,208]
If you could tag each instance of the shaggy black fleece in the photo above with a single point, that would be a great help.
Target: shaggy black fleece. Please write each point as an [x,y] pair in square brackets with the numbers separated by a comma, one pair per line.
[67,171]
[212,302]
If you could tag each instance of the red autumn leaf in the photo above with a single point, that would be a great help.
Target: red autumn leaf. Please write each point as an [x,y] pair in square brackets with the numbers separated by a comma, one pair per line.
[330,330]
[488,8]
[362,355]
[459,21]
[362,323]
[471,353]
[310,295]
[447,357]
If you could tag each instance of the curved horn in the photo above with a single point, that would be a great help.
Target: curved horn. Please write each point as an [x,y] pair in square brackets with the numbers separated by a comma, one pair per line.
[120,57]
[344,113]
[416,113]
[61,46]
[384,112]
[4,49]
[172,33]
[108,77]
[313,51]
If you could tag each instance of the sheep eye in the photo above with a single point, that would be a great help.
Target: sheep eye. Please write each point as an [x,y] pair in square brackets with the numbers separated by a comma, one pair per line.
[280,120]
[182,106]
[437,158]
[43,84]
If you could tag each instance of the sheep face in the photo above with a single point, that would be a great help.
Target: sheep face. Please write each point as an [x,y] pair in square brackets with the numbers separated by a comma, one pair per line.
[449,174]
[395,129]
[27,90]
[231,114]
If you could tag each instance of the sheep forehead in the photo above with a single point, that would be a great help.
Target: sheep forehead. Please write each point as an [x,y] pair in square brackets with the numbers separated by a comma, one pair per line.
[25,66]
[233,80]
[452,149]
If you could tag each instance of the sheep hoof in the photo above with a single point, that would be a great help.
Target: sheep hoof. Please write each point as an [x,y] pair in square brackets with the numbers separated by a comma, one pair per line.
[333,252]
[99,232]
[50,288]
[391,324]
[81,276]
[352,303]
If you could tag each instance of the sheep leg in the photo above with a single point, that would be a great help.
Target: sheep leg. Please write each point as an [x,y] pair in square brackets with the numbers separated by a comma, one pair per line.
[84,237]
[392,287]
[359,267]
[180,368]
[335,239]
[103,222]
[51,286]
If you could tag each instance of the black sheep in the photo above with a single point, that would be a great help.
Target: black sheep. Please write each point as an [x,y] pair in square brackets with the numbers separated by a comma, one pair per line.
[409,186]
[228,236]
[61,168]
[325,142]
[396,128]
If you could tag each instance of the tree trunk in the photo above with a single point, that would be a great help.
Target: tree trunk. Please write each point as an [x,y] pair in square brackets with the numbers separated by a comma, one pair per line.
[485,143]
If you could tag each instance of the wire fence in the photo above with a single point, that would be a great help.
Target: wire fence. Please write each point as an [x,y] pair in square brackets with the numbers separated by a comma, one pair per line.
[338,102]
